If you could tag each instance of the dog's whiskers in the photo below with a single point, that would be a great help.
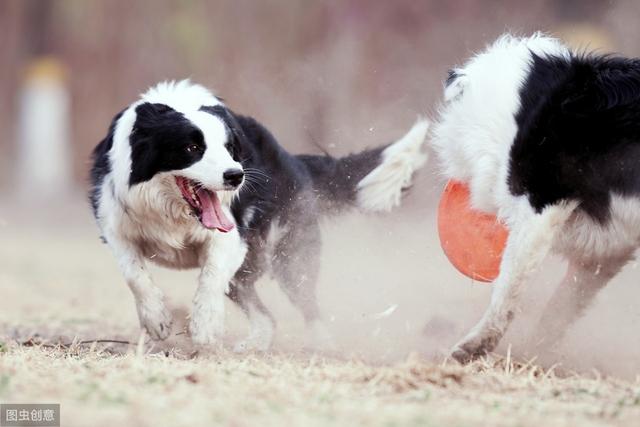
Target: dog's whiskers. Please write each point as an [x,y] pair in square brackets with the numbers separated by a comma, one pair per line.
[253,181]
[256,172]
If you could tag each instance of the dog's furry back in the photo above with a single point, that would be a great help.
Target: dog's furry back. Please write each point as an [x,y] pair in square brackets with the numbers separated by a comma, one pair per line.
[372,180]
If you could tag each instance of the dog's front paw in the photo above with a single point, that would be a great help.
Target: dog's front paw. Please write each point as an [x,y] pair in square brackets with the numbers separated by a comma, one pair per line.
[206,328]
[471,348]
[155,319]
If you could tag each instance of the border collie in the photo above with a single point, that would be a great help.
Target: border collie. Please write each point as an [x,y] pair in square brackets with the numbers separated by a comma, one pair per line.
[549,140]
[183,181]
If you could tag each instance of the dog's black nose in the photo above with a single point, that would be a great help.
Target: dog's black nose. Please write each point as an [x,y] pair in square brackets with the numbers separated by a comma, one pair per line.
[233,177]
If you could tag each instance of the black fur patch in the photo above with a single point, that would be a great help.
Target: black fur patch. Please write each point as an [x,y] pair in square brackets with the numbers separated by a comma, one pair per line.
[578,132]
[161,141]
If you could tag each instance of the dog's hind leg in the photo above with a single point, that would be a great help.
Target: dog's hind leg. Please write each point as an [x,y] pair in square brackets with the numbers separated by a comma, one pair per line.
[583,281]
[530,240]
[296,268]
[261,322]
[243,292]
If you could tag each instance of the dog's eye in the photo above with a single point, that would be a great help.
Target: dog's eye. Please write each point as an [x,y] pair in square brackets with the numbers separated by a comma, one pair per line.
[193,148]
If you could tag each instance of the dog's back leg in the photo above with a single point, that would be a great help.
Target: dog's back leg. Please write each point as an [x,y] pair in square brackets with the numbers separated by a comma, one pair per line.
[583,281]
[530,240]
[262,324]
[242,291]
[296,268]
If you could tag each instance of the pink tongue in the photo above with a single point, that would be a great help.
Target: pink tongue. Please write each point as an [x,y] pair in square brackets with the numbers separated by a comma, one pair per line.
[212,214]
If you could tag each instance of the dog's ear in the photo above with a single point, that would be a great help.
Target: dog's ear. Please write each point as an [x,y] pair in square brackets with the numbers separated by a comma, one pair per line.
[148,115]
[144,160]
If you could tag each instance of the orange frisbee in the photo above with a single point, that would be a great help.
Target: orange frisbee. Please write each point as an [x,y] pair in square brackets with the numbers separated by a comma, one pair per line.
[472,240]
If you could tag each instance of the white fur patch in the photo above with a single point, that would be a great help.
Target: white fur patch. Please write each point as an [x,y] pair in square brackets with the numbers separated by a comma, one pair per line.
[477,122]
[181,95]
[381,189]
[248,216]
[584,239]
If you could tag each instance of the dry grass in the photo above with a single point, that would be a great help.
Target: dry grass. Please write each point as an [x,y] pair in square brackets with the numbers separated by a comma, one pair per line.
[60,285]
[135,388]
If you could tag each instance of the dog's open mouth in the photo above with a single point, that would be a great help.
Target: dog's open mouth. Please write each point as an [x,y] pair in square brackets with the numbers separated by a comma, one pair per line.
[205,204]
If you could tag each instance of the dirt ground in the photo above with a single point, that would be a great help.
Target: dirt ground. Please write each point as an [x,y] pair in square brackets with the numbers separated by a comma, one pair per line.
[390,299]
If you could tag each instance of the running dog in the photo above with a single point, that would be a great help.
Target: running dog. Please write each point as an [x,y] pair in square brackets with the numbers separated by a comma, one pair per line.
[549,140]
[183,181]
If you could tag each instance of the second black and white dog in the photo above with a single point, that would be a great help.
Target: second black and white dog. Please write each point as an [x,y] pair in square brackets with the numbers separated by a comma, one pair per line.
[549,140]
[183,181]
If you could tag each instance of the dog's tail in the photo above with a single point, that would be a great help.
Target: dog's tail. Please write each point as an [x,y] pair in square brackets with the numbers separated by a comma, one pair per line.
[372,180]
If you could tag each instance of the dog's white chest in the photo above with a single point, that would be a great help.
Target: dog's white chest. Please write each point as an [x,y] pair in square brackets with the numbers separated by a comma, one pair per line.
[171,244]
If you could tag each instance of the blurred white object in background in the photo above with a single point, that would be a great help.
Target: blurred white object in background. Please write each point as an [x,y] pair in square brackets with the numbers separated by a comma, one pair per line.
[44,168]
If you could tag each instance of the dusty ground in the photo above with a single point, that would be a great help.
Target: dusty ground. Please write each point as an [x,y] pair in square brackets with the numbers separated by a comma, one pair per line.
[151,390]
[383,280]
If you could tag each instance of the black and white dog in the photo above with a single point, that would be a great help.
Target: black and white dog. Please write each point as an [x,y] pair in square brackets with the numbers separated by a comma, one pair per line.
[183,181]
[549,140]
